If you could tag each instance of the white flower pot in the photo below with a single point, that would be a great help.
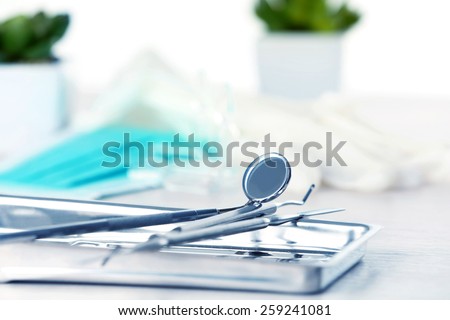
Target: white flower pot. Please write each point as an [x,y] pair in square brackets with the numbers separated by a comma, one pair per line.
[32,103]
[299,65]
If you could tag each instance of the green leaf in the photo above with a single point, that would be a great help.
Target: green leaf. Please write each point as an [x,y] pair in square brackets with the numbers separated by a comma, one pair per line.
[41,51]
[305,15]
[16,35]
[3,58]
[31,38]
[59,25]
[298,12]
[271,15]
[345,18]
[41,24]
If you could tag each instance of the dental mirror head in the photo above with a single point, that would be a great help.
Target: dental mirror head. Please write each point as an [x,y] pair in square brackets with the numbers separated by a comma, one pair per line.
[266,178]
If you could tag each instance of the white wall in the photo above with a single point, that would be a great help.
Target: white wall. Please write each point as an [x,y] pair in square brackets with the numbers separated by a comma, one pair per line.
[400,46]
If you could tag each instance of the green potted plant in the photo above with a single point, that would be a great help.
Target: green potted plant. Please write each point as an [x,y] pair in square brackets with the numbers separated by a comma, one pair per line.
[301,55]
[31,82]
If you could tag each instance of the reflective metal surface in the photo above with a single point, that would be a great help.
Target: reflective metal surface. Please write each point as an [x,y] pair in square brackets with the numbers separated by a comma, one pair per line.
[301,258]
[266,177]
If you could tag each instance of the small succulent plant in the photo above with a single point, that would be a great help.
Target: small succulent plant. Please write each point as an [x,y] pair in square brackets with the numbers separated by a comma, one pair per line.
[31,38]
[305,15]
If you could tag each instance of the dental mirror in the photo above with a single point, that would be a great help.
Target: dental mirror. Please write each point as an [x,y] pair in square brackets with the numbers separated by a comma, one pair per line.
[266,178]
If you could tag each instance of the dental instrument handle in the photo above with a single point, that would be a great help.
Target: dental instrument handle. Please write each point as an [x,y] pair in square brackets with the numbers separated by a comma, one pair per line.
[110,224]
[182,235]
[248,212]
[78,206]
[158,242]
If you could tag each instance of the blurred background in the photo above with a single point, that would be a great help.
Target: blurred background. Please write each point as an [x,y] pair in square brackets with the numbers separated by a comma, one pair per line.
[398,47]
[376,76]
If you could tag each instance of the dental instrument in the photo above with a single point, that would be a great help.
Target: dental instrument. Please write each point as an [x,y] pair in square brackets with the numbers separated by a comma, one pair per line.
[264,180]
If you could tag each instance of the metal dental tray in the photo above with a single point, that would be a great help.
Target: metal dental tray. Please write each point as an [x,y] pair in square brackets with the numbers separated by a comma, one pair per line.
[303,258]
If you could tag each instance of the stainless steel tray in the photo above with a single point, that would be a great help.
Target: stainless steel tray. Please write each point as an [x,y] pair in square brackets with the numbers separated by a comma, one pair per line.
[303,258]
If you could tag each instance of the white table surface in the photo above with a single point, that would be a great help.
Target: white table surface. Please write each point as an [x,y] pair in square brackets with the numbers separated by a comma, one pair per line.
[408,259]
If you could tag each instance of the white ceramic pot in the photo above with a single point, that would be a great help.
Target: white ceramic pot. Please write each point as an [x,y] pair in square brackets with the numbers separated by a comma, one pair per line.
[32,103]
[299,65]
